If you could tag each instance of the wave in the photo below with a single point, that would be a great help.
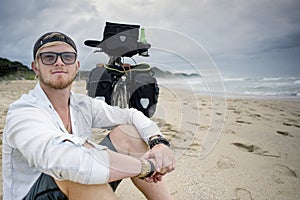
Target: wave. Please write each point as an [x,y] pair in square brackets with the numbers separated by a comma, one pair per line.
[264,79]
[235,79]
[250,86]
[297,82]
[272,78]
[270,93]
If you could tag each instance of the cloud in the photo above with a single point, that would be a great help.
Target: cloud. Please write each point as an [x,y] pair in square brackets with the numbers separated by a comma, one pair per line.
[23,22]
[233,32]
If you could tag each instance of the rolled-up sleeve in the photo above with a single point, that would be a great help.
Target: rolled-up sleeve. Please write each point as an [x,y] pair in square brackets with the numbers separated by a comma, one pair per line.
[108,116]
[45,147]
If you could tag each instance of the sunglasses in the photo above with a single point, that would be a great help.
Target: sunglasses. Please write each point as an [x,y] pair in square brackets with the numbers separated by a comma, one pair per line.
[49,58]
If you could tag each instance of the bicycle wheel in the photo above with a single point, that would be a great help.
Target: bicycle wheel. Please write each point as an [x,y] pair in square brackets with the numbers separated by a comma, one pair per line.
[119,95]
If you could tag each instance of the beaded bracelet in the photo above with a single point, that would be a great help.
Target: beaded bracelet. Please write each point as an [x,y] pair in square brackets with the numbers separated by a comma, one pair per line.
[158,140]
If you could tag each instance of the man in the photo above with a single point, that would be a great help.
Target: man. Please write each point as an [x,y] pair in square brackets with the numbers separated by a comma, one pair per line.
[47,153]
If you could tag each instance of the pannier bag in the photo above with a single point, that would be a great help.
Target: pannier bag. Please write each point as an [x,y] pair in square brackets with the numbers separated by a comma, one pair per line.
[144,92]
[99,84]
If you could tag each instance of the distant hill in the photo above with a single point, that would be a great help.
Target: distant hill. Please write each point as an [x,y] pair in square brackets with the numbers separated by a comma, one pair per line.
[14,70]
[83,75]
[166,74]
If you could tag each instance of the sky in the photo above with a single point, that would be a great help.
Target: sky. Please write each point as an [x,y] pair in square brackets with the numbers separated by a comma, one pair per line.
[237,37]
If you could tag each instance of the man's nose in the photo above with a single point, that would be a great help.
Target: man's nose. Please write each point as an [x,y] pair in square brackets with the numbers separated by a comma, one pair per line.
[59,61]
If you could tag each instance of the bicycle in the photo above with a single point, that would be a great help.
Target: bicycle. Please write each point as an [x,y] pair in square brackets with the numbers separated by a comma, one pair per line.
[122,84]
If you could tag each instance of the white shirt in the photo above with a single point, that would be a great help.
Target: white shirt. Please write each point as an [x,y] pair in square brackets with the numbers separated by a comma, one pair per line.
[35,141]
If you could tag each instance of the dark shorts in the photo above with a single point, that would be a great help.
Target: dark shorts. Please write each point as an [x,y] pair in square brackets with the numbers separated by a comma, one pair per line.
[45,187]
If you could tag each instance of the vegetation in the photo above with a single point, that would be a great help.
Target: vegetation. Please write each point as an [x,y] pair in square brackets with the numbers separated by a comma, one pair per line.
[13,70]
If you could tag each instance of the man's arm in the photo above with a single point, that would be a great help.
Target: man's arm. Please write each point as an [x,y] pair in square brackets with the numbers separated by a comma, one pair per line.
[160,151]
[147,129]
[124,166]
[111,116]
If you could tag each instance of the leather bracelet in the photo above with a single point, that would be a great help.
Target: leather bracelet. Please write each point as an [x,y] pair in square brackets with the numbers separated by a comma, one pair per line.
[158,140]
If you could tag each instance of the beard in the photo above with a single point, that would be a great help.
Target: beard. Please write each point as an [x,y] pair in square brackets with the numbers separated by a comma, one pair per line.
[59,83]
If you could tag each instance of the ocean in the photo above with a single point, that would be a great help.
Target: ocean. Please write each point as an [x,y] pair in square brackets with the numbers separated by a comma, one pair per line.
[245,87]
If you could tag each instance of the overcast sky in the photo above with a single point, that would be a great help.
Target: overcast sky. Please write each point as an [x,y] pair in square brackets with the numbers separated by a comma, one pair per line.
[242,37]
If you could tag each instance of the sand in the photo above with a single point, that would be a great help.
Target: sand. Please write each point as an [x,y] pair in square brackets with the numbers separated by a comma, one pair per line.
[257,155]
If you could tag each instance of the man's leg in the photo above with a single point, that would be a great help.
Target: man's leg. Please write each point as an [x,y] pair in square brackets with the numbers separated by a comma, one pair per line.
[107,142]
[127,140]
[77,191]
[46,188]
[153,191]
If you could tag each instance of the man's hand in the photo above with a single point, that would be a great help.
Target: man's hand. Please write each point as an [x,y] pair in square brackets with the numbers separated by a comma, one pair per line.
[164,161]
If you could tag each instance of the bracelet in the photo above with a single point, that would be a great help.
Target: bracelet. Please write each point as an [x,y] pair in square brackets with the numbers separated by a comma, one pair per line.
[147,169]
[152,169]
[158,140]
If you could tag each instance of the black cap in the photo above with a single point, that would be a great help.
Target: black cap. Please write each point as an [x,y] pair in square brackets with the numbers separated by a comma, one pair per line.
[57,36]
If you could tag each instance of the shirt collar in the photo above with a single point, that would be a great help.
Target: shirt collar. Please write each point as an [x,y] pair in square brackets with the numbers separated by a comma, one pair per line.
[74,102]
[43,97]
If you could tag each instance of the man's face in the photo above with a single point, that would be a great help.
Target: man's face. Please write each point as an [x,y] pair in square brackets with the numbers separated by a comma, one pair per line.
[58,75]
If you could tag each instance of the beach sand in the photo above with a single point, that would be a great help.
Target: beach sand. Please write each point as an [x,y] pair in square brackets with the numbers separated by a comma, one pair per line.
[256,157]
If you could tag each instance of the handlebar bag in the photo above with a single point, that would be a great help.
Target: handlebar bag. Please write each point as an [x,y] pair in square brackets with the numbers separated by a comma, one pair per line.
[120,39]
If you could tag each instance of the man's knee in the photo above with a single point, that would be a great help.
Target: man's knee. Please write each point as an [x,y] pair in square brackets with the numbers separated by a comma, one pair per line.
[127,140]
[128,131]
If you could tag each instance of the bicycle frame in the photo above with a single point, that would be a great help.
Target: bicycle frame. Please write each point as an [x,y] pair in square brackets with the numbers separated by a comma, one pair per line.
[121,89]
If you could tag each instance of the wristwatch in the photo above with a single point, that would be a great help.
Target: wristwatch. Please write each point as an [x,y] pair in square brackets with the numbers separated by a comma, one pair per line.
[158,139]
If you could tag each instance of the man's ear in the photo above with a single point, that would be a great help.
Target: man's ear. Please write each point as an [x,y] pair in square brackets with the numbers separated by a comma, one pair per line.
[34,67]
[77,66]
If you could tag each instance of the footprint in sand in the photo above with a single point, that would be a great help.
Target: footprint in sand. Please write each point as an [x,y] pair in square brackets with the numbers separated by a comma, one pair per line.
[254,149]
[284,133]
[246,147]
[296,114]
[243,194]
[229,131]
[255,115]
[285,170]
[237,112]
[291,124]
[286,124]
[232,108]
[242,122]
[225,163]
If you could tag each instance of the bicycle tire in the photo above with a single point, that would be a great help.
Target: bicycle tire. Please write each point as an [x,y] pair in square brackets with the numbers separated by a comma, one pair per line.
[119,95]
